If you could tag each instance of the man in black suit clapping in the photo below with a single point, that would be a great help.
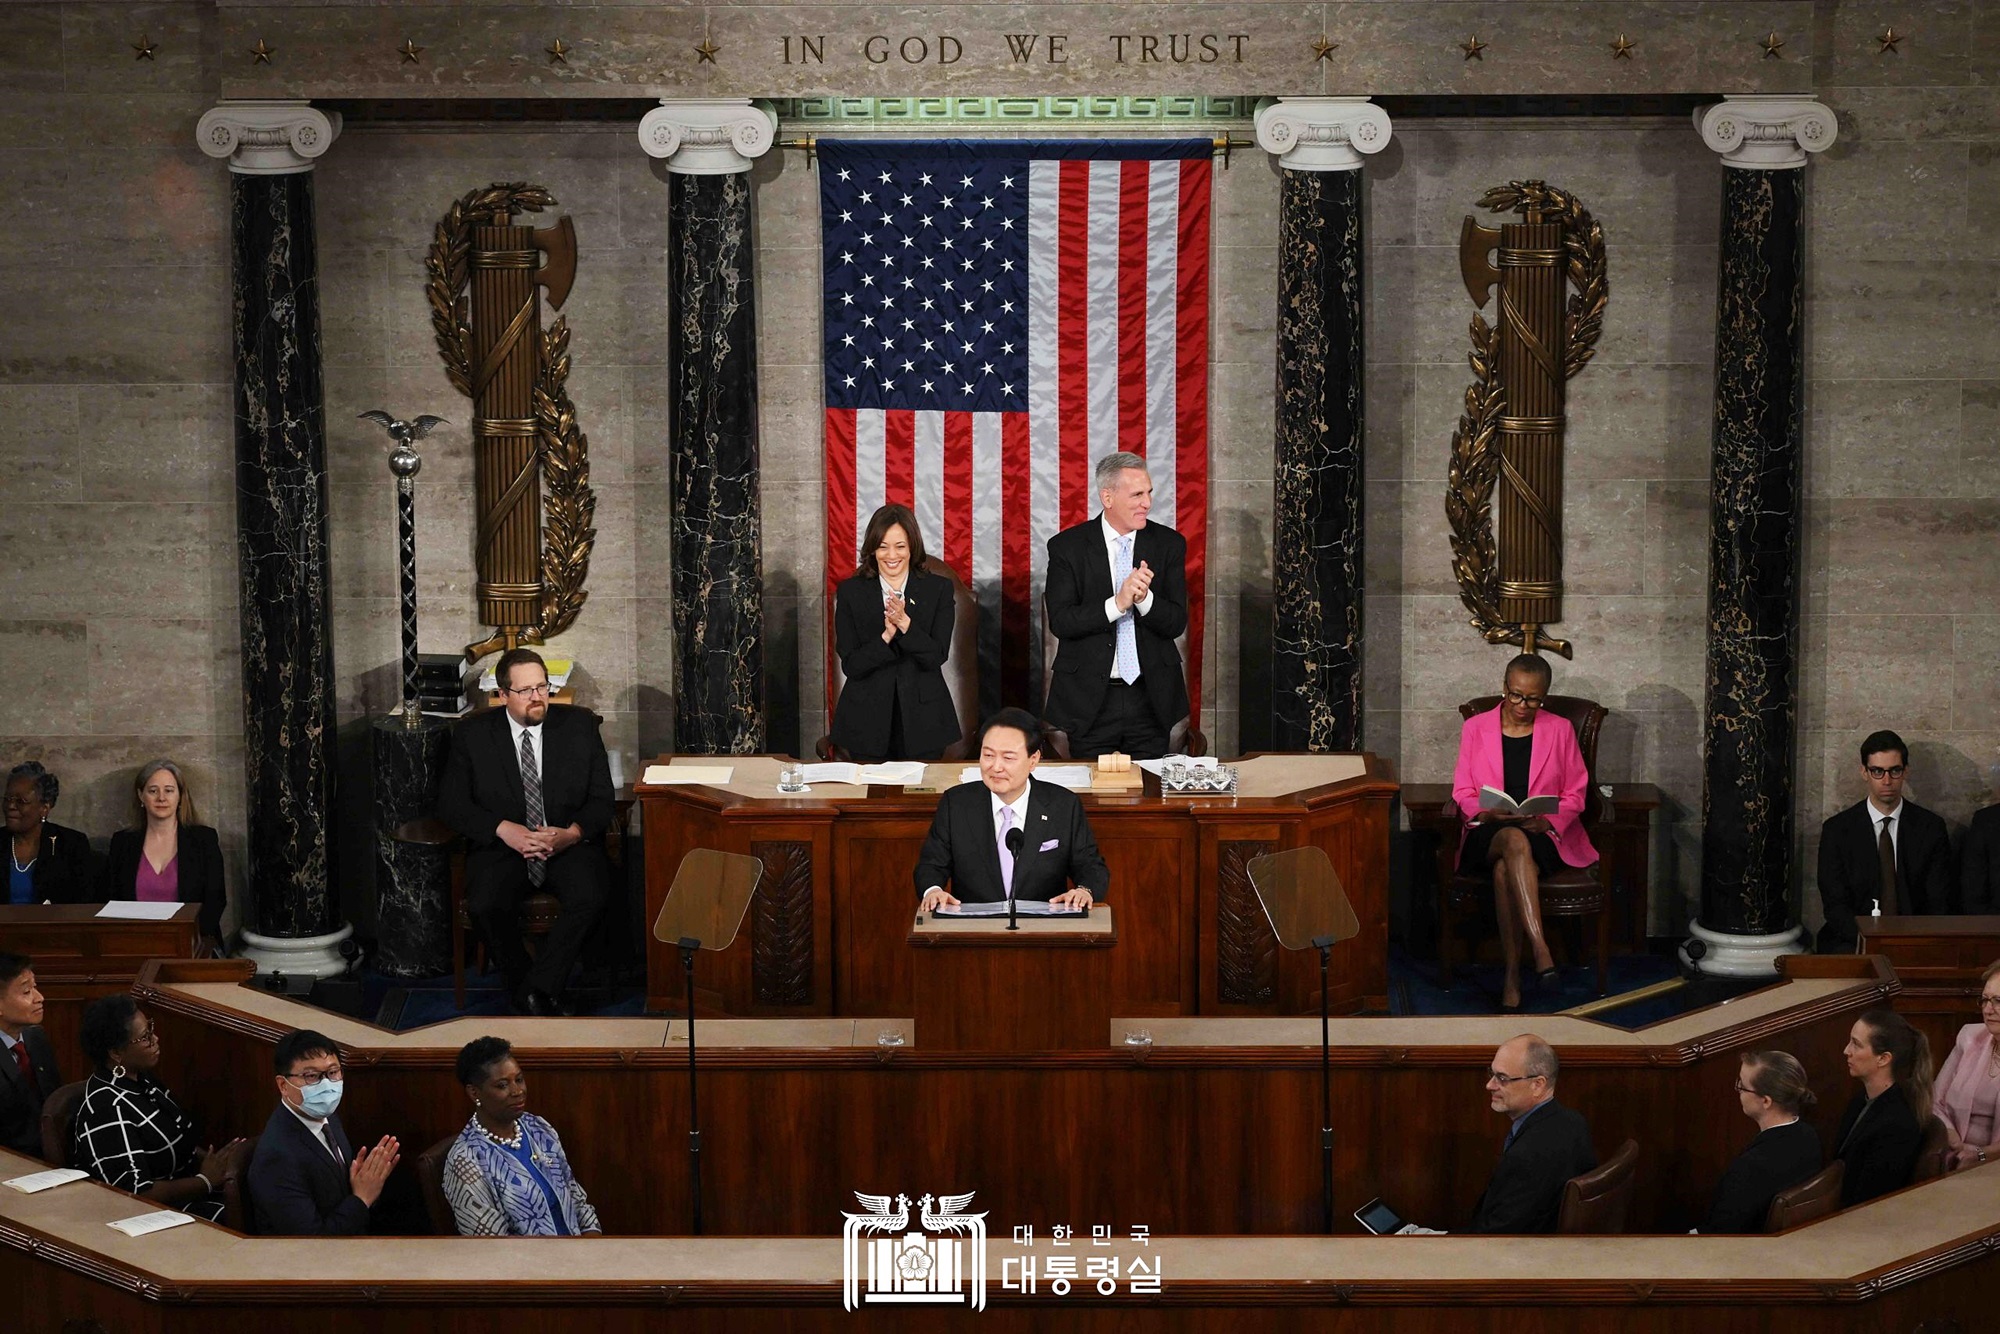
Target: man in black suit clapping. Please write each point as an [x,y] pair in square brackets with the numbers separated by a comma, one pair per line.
[1881,851]
[529,786]
[1009,831]
[1117,599]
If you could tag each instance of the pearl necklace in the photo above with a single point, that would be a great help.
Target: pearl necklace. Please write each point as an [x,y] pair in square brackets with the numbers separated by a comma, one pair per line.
[506,1143]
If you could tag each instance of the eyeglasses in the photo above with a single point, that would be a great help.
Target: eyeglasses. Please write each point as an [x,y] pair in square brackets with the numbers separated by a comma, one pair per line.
[1989,1002]
[149,1038]
[1742,1087]
[1495,1077]
[541,689]
[1893,771]
[1529,701]
[312,1078]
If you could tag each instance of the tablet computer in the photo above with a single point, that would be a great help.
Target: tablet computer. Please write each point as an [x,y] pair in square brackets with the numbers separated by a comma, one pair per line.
[1378,1218]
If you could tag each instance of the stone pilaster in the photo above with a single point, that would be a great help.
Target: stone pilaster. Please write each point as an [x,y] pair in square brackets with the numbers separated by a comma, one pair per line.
[281,518]
[1316,530]
[717,544]
[1747,915]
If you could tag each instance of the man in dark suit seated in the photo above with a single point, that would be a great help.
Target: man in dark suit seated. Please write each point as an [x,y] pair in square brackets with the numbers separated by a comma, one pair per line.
[27,1061]
[1009,831]
[306,1180]
[529,786]
[1546,1146]
[1979,864]
[1881,852]
[1116,598]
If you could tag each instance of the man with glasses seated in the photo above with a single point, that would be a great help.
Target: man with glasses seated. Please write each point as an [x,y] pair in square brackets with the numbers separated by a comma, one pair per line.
[529,787]
[1882,854]
[306,1180]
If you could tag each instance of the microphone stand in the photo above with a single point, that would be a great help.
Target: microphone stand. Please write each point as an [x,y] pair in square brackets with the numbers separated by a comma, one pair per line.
[688,945]
[1324,944]
[1013,850]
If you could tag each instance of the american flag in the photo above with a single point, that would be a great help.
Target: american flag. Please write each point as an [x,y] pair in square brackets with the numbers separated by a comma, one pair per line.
[999,315]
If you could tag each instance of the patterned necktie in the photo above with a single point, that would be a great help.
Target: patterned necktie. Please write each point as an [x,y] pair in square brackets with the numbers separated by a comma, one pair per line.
[531,788]
[1128,630]
[1006,856]
[1885,852]
[28,1066]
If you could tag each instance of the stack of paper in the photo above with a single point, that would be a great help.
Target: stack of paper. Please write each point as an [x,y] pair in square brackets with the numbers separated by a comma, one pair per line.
[139,912]
[140,1225]
[38,1181]
[715,775]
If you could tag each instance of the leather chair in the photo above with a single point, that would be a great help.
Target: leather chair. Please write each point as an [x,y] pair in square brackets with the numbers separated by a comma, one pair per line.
[1183,738]
[430,1179]
[1597,1202]
[961,669]
[235,1190]
[1814,1198]
[59,1123]
[1577,891]
[1933,1153]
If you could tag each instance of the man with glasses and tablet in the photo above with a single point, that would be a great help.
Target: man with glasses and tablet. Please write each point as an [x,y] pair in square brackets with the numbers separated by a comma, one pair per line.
[1883,854]
[529,787]
[1547,1144]
[306,1180]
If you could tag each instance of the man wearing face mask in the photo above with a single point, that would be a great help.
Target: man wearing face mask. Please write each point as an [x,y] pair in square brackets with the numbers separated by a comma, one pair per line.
[306,1180]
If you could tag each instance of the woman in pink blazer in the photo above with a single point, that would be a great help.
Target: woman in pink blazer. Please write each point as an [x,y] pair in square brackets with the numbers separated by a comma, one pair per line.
[1968,1088]
[1513,749]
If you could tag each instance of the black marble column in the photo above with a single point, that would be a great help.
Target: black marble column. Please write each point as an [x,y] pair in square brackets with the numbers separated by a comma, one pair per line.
[717,549]
[1753,562]
[1316,530]
[281,518]
[412,880]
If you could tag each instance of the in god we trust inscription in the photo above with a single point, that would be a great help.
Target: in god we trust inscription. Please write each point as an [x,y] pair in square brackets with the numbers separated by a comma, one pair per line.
[1021,48]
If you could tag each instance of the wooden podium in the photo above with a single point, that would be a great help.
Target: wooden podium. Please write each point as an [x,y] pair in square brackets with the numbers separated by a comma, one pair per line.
[1044,987]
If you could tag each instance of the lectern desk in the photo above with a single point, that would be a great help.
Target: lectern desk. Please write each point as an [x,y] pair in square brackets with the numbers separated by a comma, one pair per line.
[80,956]
[1939,960]
[1043,987]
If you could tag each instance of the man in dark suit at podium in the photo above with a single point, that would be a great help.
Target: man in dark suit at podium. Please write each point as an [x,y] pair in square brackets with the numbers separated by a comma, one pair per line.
[1881,850]
[1116,598]
[27,1061]
[1009,831]
[529,786]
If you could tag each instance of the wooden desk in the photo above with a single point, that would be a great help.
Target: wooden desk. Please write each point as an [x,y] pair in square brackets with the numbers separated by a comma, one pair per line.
[1212,1128]
[1624,840]
[1044,987]
[80,956]
[1925,1260]
[1939,960]
[827,931]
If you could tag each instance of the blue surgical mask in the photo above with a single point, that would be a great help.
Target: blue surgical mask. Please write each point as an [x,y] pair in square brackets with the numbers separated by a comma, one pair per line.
[319,1100]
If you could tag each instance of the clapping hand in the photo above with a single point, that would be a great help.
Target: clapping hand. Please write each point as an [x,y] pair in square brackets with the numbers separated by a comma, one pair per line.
[371,1167]
[1136,586]
[895,614]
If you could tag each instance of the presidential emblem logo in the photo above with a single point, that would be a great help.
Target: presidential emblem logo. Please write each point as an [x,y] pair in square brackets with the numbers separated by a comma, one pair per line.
[942,1264]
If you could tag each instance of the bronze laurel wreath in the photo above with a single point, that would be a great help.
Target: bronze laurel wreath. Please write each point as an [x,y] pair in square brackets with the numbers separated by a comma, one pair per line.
[568,503]
[1475,454]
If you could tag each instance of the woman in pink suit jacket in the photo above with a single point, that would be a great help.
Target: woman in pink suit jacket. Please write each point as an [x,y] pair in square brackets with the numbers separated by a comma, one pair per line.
[1512,749]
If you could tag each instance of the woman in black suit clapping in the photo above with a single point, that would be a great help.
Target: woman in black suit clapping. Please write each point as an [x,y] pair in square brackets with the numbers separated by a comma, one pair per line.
[168,855]
[892,628]
[51,863]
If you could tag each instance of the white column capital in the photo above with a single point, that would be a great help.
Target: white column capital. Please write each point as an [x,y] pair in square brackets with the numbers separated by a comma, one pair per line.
[708,136]
[1763,133]
[1322,133]
[267,138]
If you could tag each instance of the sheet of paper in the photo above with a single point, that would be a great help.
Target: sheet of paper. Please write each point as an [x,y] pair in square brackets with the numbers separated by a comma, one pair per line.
[1022,908]
[713,774]
[834,772]
[140,1225]
[39,1181]
[1075,777]
[139,912]
[893,773]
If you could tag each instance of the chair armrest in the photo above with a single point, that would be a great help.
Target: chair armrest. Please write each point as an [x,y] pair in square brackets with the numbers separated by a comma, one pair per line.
[426,830]
[828,752]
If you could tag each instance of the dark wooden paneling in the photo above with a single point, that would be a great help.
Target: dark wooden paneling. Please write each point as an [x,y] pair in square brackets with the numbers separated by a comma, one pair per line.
[80,956]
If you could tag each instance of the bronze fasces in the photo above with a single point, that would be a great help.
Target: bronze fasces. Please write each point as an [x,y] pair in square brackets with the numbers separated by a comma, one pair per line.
[488,278]
[1548,272]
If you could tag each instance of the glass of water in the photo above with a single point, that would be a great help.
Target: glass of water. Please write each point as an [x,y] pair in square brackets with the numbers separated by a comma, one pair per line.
[791,777]
[1175,773]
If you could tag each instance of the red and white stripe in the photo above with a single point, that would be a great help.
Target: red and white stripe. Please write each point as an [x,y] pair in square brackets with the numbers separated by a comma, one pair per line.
[1117,359]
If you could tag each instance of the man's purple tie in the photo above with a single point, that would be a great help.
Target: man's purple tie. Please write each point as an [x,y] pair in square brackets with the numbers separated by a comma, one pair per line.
[1006,857]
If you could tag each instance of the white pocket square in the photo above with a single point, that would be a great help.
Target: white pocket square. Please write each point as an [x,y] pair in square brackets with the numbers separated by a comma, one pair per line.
[1050,844]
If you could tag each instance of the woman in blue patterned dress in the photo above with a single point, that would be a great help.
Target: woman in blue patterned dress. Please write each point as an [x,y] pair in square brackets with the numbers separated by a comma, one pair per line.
[507,1175]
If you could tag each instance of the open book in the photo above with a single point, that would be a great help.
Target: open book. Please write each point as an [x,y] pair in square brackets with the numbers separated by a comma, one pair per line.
[1493,799]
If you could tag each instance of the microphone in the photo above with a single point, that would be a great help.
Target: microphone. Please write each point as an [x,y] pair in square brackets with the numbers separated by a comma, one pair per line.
[1013,851]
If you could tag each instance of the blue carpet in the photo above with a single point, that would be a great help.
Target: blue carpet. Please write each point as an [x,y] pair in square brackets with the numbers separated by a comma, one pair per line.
[403,1003]
[1475,989]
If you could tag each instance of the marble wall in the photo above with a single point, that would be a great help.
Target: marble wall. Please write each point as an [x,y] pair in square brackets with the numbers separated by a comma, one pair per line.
[117,556]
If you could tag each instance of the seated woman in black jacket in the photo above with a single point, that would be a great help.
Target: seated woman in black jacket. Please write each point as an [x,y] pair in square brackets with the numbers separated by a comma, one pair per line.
[1883,1128]
[1772,1091]
[168,855]
[892,628]
[51,863]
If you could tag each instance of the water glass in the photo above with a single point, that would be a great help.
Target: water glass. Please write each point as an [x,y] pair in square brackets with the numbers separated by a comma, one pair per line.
[791,777]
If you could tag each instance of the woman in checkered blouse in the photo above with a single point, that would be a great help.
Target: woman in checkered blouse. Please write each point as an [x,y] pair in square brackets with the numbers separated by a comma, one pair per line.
[130,1133]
